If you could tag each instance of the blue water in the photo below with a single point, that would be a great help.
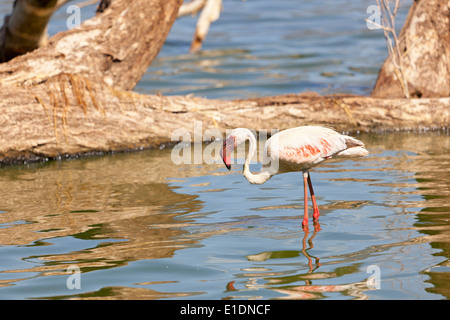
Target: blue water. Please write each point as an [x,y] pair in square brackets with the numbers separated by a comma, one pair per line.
[137,226]
[259,48]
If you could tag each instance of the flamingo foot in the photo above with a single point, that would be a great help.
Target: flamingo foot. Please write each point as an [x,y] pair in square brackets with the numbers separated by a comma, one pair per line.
[316,214]
[305,225]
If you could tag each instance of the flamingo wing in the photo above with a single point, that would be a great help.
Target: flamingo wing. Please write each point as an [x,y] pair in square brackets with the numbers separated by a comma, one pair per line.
[303,147]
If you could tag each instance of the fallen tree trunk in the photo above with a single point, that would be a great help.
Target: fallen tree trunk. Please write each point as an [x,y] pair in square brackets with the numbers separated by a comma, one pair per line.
[73,95]
[66,118]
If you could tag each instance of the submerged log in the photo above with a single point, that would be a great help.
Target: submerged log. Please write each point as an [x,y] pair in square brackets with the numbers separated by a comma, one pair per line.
[73,95]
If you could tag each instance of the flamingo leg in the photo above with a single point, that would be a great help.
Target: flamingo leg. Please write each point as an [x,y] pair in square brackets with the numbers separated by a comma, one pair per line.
[305,189]
[313,198]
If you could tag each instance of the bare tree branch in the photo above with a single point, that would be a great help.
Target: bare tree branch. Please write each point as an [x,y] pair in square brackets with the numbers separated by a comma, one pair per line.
[418,64]
[191,7]
[388,22]
[26,28]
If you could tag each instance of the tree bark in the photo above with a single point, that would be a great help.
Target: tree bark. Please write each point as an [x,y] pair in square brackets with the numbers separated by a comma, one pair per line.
[115,47]
[72,116]
[73,95]
[425,47]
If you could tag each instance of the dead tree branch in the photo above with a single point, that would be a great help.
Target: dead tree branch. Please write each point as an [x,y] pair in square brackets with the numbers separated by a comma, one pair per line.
[26,28]
[210,12]
[418,64]
[388,20]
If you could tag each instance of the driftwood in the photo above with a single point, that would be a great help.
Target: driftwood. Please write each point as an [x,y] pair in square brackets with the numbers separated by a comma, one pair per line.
[115,47]
[50,124]
[73,95]
[425,54]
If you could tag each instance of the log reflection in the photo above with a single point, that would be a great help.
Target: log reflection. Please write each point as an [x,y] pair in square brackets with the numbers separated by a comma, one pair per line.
[124,203]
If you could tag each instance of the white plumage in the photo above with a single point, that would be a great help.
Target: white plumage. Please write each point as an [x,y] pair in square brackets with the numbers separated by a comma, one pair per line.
[295,149]
[302,148]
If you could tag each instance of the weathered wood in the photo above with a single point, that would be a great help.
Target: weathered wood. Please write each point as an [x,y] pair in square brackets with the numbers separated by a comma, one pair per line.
[72,96]
[70,115]
[116,46]
[210,13]
[425,49]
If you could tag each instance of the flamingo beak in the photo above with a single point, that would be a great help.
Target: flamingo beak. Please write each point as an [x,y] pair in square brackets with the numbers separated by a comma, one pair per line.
[227,149]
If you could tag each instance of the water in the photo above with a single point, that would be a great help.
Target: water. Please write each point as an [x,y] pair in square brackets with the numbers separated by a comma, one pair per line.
[139,227]
[259,48]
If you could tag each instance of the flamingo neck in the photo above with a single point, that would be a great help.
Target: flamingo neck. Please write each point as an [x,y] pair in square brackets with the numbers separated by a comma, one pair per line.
[254,178]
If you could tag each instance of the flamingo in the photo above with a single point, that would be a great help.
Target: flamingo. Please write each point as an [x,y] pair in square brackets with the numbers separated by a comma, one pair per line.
[295,149]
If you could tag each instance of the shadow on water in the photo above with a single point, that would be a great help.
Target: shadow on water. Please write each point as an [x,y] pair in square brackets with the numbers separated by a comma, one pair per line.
[138,226]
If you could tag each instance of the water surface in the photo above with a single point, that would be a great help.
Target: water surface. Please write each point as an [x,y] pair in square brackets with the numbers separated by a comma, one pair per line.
[137,226]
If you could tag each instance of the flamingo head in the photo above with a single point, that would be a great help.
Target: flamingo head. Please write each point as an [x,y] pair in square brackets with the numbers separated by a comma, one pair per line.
[235,138]
[228,147]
